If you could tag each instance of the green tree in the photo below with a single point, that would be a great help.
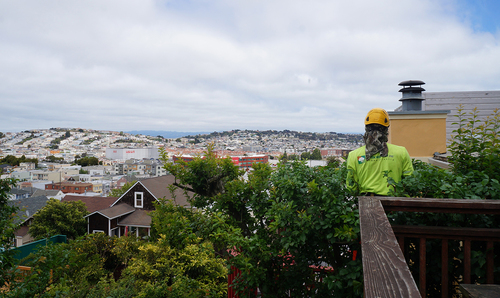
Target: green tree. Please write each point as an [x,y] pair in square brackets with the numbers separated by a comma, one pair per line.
[52,158]
[87,161]
[289,221]
[476,147]
[316,154]
[283,157]
[88,266]
[66,218]
[118,192]
[333,161]
[14,161]
[7,228]
[305,155]
[207,175]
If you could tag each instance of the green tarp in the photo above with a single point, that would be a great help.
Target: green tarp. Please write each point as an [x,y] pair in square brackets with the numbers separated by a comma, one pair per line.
[24,250]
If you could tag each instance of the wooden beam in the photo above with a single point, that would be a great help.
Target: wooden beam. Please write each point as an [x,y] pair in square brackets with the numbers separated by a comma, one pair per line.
[437,232]
[385,271]
[441,205]
[422,277]
[444,268]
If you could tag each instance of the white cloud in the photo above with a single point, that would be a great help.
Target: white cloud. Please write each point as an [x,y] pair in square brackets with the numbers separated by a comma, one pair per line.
[220,65]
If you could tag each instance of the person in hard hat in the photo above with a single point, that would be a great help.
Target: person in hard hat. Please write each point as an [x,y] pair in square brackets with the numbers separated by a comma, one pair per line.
[366,165]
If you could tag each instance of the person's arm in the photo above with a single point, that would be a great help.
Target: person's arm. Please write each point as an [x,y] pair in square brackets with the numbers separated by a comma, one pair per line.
[407,164]
[352,177]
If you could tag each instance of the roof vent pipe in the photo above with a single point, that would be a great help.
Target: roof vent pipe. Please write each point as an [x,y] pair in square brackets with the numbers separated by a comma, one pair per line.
[412,95]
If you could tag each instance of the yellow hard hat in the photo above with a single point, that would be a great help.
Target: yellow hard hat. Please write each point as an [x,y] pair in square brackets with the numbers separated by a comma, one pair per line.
[377,116]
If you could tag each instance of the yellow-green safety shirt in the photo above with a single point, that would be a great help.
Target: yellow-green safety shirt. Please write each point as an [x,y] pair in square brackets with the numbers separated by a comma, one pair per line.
[370,174]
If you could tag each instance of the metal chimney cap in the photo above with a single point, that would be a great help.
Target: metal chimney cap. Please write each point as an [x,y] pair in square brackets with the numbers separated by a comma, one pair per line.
[411,83]
[409,89]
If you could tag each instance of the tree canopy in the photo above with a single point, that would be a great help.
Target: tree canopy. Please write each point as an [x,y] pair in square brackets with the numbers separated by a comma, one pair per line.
[289,223]
[7,228]
[15,161]
[316,154]
[59,218]
[87,161]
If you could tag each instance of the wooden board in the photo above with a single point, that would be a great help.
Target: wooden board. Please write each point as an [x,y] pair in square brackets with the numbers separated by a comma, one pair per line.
[385,271]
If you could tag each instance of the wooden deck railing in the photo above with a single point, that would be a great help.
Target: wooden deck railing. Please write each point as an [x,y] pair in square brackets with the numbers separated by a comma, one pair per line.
[385,271]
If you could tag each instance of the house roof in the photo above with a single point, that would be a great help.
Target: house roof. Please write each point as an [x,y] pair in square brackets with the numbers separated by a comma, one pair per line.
[92,203]
[139,218]
[48,192]
[158,187]
[19,191]
[28,207]
[115,211]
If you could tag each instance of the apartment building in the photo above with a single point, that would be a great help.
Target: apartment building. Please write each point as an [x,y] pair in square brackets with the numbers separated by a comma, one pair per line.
[71,187]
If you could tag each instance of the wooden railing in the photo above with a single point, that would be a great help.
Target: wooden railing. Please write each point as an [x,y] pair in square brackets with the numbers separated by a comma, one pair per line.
[385,271]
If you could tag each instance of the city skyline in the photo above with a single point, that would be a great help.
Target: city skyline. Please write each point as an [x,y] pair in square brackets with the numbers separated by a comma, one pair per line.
[198,66]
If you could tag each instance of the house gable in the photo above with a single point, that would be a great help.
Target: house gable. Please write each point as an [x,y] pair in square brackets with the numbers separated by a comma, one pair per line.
[129,197]
[97,222]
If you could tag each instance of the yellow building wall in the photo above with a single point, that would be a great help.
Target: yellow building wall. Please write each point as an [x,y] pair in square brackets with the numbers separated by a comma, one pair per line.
[97,187]
[421,135]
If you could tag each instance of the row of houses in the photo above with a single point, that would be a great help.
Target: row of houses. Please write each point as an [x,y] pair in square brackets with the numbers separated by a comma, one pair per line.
[110,215]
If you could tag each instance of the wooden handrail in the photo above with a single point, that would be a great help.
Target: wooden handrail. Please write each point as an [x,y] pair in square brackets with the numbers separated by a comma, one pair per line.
[463,206]
[382,259]
[385,271]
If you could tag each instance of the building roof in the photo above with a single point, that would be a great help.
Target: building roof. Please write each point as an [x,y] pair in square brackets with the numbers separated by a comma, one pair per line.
[158,187]
[139,218]
[28,207]
[115,211]
[92,203]
[48,192]
[19,191]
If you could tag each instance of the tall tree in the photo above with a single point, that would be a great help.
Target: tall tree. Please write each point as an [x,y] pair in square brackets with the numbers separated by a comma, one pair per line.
[7,228]
[305,155]
[65,218]
[290,221]
[87,161]
[316,154]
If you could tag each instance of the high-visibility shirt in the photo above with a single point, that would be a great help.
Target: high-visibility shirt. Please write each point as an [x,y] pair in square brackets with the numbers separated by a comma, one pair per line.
[369,175]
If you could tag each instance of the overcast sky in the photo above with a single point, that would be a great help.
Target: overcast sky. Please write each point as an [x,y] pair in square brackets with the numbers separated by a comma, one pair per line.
[214,65]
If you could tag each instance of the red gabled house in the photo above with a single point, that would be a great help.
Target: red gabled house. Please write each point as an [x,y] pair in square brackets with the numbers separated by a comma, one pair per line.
[130,212]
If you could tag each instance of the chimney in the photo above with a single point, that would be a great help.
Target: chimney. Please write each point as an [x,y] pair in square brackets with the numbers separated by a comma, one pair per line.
[412,95]
[422,133]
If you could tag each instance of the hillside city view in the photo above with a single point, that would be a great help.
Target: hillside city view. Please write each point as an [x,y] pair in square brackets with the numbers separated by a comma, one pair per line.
[249,149]
[67,151]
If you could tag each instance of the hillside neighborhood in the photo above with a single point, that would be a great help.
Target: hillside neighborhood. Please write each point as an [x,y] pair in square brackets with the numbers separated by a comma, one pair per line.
[121,158]
[118,153]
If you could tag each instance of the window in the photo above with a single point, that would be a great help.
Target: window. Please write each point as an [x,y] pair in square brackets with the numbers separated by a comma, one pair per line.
[138,199]
[76,188]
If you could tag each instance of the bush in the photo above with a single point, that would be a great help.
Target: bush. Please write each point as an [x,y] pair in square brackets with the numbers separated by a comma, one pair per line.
[476,167]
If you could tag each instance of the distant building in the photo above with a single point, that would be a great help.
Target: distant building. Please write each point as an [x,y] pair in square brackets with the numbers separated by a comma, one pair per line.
[484,101]
[132,153]
[331,152]
[71,187]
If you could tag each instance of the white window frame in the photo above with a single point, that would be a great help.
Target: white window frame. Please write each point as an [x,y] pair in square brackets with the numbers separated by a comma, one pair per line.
[136,194]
